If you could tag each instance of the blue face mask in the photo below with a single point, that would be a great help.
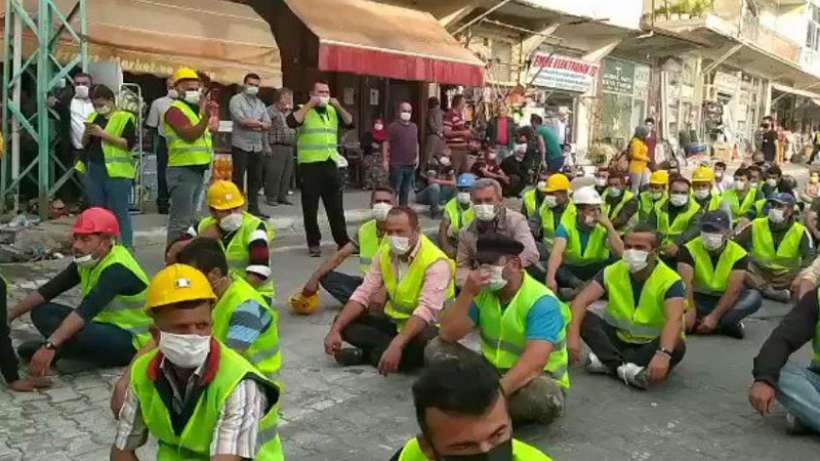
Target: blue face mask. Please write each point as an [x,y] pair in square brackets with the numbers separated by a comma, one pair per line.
[502,452]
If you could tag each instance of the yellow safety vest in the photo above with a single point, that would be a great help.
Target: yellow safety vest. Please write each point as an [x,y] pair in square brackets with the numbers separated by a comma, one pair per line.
[710,279]
[317,139]
[118,161]
[403,294]
[530,203]
[458,216]
[504,331]
[670,231]
[549,225]
[369,243]
[596,250]
[613,211]
[740,207]
[521,452]
[182,152]
[646,204]
[786,256]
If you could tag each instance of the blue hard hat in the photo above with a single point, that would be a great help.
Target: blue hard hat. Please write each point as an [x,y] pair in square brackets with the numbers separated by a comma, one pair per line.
[466,180]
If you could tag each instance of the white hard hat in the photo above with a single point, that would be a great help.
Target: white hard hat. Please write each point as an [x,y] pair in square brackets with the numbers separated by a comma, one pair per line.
[587,196]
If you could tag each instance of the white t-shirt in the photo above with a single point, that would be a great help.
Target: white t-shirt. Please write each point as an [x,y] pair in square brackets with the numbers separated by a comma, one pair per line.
[80,110]
[156,114]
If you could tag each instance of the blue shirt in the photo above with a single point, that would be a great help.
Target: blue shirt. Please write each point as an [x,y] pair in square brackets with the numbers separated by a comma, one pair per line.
[583,235]
[247,324]
[544,320]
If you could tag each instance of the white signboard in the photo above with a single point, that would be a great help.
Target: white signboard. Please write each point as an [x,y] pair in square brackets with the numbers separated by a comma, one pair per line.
[562,72]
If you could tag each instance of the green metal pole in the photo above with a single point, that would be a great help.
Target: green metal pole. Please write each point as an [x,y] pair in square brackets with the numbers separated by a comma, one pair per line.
[44,29]
[7,63]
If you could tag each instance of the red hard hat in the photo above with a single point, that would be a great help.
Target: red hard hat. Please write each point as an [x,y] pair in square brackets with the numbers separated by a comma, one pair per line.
[97,220]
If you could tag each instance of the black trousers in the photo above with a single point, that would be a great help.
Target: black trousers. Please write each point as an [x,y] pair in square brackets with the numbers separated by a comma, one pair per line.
[602,338]
[252,163]
[321,180]
[373,333]
[163,199]
[8,359]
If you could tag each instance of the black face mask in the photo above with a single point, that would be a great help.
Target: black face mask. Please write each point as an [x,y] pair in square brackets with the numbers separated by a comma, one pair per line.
[503,452]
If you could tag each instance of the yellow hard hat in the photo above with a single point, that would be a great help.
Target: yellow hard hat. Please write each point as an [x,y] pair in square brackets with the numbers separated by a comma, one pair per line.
[703,174]
[224,195]
[660,177]
[303,305]
[184,73]
[178,283]
[557,182]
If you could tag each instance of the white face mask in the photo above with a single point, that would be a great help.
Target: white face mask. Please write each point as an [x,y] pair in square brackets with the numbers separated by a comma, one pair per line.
[231,222]
[86,262]
[378,127]
[637,260]
[679,199]
[777,215]
[740,185]
[496,278]
[184,351]
[491,156]
[81,92]
[541,185]
[324,100]
[521,148]
[463,198]
[484,211]
[399,244]
[550,201]
[600,182]
[712,241]
[405,116]
[380,211]
[173,94]
[251,90]
[444,161]
[589,220]
[615,191]
[771,182]
[656,195]
[104,110]
[701,193]
[192,96]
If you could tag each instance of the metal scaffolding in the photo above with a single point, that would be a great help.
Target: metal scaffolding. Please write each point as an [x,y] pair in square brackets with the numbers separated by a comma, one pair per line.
[47,25]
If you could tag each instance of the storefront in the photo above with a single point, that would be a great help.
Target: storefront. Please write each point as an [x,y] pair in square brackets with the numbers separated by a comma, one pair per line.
[680,100]
[624,91]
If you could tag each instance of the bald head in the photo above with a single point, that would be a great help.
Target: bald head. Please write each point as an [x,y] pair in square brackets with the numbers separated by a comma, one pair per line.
[405,111]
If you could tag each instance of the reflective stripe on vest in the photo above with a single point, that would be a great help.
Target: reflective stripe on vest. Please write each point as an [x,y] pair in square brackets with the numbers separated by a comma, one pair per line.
[194,441]
[318,136]
[669,231]
[119,162]
[595,251]
[404,294]
[709,279]
[504,332]
[368,244]
[458,216]
[264,352]
[182,152]
[644,322]
[548,224]
[124,311]
[521,452]
[787,255]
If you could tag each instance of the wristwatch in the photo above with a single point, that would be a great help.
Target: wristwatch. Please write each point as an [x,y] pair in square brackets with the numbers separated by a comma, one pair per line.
[662,350]
[50,345]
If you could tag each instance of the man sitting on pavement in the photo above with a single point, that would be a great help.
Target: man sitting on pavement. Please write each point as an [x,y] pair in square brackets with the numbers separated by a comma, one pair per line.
[655,194]
[796,386]
[741,198]
[677,220]
[555,207]
[463,414]
[601,179]
[109,326]
[524,339]
[200,399]
[441,185]
[779,247]
[245,237]
[583,246]
[418,278]
[620,204]
[713,267]
[705,193]
[458,214]
[532,198]
[639,338]
[491,216]
[366,243]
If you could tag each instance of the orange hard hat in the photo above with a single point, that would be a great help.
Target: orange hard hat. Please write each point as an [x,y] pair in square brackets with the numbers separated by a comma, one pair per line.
[97,220]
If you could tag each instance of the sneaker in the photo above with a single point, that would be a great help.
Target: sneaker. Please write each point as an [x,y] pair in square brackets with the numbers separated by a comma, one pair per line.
[783,296]
[595,366]
[737,331]
[633,375]
[315,252]
[794,426]
[349,356]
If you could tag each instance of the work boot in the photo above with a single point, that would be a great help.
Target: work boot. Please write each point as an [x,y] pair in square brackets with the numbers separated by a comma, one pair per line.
[315,251]
[783,296]
[633,375]
[595,366]
[27,349]
[736,331]
[349,356]
[794,426]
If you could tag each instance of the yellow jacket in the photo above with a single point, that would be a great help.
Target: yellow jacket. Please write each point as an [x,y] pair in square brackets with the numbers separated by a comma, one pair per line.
[638,156]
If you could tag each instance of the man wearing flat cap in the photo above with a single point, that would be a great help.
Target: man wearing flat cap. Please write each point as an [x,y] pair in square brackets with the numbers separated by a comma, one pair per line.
[522,327]
[779,247]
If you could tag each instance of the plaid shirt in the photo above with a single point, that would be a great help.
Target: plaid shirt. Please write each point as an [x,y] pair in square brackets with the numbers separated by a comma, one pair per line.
[280,132]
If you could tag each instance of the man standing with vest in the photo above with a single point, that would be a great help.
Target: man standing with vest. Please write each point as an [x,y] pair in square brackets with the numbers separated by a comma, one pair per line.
[620,204]
[583,245]
[189,150]
[463,414]
[640,337]
[242,318]
[318,123]
[458,213]
[367,242]
[713,267]
[677,220]
[200,399]
[109,326]
[657,193]
[522,327]
[244,237]
[779,245]
[418,279]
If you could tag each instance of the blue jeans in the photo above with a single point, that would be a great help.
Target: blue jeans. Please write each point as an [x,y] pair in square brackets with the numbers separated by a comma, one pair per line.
[401,179]
[185,184]
[798,389]
[747,304]
[435,195]
[341,286]
[112,193]
[103,344]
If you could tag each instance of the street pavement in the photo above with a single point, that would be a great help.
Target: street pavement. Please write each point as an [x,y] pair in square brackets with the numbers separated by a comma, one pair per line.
[347,414]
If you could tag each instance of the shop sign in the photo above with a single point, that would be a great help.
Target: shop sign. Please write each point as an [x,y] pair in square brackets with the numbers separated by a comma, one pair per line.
[641,81]
[618,76]
[562,72]
[726,83]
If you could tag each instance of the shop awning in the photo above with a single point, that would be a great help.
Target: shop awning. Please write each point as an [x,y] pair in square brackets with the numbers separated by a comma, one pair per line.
[795,91]
[223,39]
[369,38]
